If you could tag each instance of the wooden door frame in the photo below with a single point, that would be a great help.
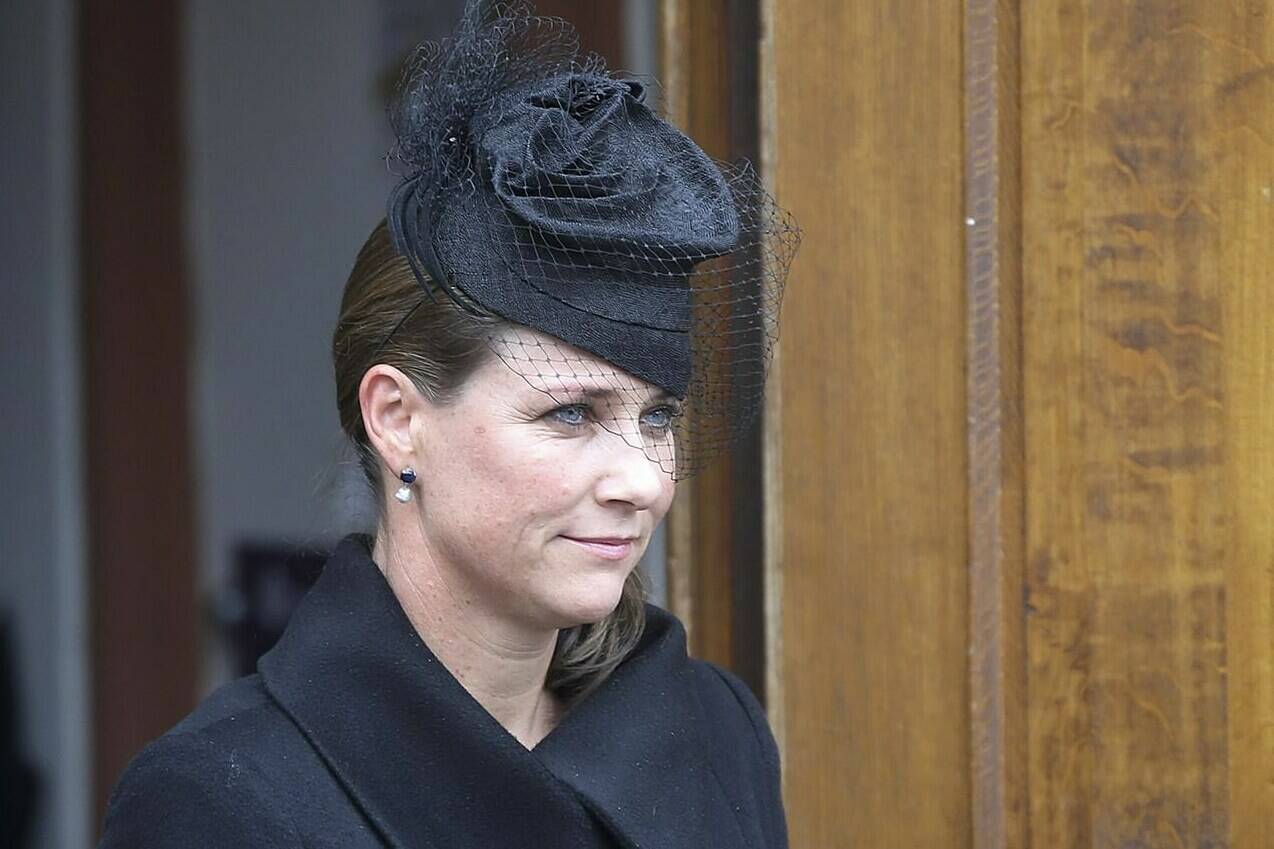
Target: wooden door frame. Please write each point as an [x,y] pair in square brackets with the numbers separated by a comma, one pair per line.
[709,74]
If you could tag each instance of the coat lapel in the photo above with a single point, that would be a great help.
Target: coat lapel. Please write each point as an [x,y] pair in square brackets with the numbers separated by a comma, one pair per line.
[430,767]
[635,750]
[427,764]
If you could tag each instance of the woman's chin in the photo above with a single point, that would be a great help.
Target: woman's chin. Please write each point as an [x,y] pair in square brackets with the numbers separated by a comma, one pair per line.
[586,605]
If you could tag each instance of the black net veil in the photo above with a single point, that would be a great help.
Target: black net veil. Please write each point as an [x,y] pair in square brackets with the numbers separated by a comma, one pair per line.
[639,280]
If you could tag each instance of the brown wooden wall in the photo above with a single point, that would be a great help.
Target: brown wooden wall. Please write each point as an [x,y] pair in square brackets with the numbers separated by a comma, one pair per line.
[1020,441]
[868,491]
[1148,402]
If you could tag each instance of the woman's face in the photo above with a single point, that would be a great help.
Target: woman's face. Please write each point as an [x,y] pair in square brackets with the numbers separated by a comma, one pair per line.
[539,502]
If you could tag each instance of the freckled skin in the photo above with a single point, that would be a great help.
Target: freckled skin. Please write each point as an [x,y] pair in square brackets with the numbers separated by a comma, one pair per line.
[500,486]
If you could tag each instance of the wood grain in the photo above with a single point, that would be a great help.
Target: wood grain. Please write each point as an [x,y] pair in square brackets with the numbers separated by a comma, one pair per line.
[866,126]
[1147,131]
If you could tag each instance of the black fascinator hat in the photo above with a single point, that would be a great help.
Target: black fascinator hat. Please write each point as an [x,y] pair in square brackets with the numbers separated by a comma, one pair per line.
[541,189]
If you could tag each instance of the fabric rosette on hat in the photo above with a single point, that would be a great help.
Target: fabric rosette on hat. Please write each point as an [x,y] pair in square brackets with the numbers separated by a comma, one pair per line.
[541,189]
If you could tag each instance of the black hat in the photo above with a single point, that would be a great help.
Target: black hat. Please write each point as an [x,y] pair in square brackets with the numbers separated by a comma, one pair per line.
[543,190]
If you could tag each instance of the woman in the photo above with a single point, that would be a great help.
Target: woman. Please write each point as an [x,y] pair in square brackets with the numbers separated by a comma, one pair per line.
[568,308]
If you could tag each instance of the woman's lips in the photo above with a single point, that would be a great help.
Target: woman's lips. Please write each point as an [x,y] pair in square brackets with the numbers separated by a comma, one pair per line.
[611,548]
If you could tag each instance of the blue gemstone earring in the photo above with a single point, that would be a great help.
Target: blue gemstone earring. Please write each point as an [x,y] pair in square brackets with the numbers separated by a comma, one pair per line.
[408,477]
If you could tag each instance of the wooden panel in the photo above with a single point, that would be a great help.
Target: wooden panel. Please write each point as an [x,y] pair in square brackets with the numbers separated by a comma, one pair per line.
[1148,134]
[868,496]
[709,57]
[138,477]
[696,97]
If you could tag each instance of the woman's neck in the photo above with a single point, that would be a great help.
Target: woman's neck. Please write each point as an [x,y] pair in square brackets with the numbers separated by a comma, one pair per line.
[503,666]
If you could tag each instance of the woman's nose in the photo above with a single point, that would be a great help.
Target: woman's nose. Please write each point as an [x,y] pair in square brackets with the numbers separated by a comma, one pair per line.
[631,476]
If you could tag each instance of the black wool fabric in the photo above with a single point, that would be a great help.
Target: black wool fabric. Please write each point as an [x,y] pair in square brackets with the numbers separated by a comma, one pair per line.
[353,734]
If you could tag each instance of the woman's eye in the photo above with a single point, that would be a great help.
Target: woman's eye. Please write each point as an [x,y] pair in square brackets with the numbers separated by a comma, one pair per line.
[572,415]
[660,418]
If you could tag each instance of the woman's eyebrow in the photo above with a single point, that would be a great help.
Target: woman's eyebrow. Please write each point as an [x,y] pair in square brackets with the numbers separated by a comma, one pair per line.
[607,393]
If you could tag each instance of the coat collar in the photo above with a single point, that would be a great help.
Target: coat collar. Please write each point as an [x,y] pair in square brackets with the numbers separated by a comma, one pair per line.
[428,764]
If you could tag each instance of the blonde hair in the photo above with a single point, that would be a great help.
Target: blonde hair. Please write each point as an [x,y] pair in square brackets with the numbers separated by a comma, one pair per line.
[386,318]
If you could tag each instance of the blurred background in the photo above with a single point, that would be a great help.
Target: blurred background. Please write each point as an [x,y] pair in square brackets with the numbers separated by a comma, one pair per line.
[998,559]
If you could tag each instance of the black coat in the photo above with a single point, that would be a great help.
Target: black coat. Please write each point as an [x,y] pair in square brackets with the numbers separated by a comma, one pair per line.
[352,734]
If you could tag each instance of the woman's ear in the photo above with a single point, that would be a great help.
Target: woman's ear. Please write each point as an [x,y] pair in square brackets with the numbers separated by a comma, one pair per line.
[388,400]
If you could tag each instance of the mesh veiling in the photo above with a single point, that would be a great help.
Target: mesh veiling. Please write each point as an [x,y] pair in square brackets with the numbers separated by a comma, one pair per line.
[638,279]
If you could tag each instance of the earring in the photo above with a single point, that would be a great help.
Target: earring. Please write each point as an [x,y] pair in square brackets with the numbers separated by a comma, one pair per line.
[408,477]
